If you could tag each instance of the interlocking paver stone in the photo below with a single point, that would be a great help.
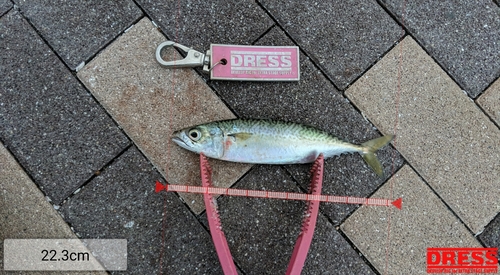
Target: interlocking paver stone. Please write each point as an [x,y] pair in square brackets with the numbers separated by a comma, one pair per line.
[262,232]
[440,131]
[77,30]
[24,211]
[313,101]
[53,126]
[332,33]
[150,102]
[121,203]
[5,5]
[490,101]
[423,222]
[199,23]
[463,36]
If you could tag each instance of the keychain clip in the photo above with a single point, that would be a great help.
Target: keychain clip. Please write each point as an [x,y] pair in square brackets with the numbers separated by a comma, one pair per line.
[239,62]
[193,58]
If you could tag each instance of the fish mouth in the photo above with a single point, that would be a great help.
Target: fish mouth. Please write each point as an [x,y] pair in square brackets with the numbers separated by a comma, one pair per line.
[182,143]
[179,141]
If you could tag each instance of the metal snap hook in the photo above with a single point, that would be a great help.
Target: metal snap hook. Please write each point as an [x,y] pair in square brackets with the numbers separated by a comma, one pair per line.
[193,58]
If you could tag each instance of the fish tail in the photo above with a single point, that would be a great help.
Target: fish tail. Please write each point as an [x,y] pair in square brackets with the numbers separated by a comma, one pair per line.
[370,147]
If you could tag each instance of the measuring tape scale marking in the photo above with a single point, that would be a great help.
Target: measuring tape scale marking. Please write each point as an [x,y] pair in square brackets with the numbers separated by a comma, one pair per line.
[273,194]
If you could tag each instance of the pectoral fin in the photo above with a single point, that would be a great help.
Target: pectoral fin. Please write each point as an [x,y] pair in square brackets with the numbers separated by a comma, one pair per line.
[240,136]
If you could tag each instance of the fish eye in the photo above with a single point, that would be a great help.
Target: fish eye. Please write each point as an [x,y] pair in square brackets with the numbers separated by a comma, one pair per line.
[194,134]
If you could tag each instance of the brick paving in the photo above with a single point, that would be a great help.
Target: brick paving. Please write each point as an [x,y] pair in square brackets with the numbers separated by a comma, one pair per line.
[86,115]
[121,79]
[451,143]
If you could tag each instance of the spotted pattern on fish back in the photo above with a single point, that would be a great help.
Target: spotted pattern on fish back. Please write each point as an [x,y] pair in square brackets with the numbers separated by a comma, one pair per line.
[276,129]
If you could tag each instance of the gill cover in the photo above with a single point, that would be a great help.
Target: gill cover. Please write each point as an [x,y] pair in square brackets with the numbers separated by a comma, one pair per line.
[204,139]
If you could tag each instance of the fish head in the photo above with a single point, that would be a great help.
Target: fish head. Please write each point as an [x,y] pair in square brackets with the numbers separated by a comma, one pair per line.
[207,139]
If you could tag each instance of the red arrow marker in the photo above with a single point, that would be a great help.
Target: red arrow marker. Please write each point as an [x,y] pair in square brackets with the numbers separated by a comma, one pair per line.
[398,203]
[160,186]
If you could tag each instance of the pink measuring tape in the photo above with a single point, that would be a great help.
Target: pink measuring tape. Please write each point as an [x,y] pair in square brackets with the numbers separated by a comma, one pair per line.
[304,239]
[236,62]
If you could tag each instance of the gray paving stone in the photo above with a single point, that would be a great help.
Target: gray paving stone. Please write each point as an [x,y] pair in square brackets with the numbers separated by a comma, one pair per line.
[343,37]
[440,131]
[313,101]
[77,30]
[395,241]
[491,234]
[150,102]
[5,5]
[490,101]
[24,211]
[60,135]
[261,233]
[199,23]
[463,36]
[121,203]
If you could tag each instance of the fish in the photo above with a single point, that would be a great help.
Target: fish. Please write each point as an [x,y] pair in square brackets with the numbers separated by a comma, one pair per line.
[263,141]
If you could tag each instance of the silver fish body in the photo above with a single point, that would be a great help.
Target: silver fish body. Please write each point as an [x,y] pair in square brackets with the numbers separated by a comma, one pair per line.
[269,142]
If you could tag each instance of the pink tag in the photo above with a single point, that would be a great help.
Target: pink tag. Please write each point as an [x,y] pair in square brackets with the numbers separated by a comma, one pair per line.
[257,63]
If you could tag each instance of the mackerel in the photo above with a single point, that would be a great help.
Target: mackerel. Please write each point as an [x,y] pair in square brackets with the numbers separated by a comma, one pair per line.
[272,142]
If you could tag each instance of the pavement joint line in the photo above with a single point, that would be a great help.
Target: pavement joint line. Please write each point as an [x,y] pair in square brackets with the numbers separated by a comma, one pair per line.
[85,62]
[198,217]
[374,191]
[442,66]
[321,69]
[183,202]
[73,73]
[373,64]
[150,17]
[351,244]
[210,85]
[47,198]
[497,216]
[485,89]
[486,113]
[355,248]
[264,34]
[325,74]
[486,226]
[367,243]
[427,182]
[7,11]
[94,175]
[443,201]
[302,51]
[131,143]
[21,13]
[106,45]
[336,227]
[2,143]
[417,40]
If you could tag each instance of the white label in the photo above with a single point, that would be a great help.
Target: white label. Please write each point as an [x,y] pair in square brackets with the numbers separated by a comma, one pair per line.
[65,254]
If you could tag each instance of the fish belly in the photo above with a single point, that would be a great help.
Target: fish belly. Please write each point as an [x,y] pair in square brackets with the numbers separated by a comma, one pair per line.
[255,150]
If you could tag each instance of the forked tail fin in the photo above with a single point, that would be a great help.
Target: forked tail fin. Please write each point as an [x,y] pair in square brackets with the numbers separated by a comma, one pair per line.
[369,154]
